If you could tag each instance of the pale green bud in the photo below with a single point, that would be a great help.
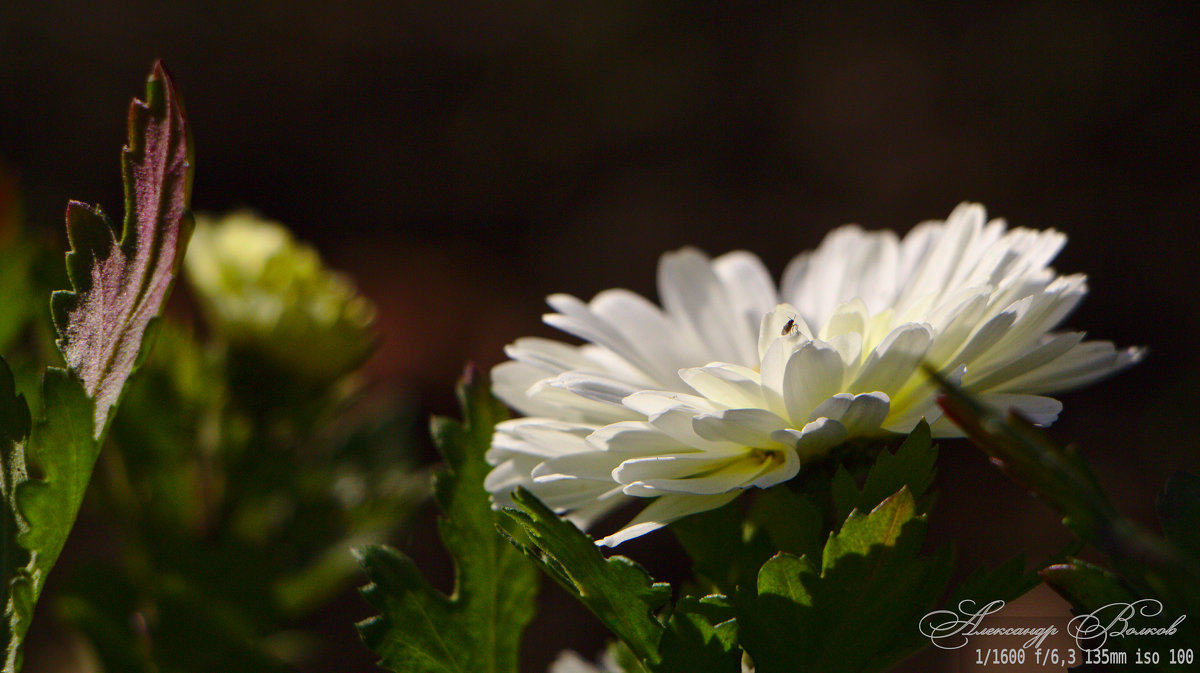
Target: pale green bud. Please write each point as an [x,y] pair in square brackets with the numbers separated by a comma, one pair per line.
[263,289]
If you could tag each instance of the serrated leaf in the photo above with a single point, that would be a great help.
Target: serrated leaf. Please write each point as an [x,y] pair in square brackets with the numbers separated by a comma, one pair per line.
[119,286]
[1179,512]
[477,629]
[857,610]
[616,589]
[913,465]
[701,635]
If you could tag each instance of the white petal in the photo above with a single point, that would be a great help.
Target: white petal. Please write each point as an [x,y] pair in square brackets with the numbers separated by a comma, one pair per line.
[783,322]
[652,402]
[663,511]
[954,322]
[594,387]
[1038,409]
[748,427]
[570,662]
[814,373]
[748,284]
[542,437]
[1042,314]
[594,465]
[1085,363]
[704,474]
[506,477]
[575,317]
[552,357]
[850,347]
[890,365]
[585,515]
[725,384]
[1051,348]
[566,495]
[643,439]
[511,382]
[865,413]
[677,423]
[939,265]
[918,402]
[815,439]
[657,339]
[848,318]
[696,300]
[570,404]
[989,333]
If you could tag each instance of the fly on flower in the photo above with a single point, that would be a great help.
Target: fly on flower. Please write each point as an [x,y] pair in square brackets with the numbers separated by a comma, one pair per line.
[788,327]
[735,382]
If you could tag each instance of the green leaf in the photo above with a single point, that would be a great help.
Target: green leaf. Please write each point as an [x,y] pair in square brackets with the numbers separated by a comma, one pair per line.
[701,635]
[913,465]
[14,431]
[1087,586]
[1090,588]
[723,556]
[790,519]
[1179,512]
[121,285]
[858,610]
[478,628]
[616,589]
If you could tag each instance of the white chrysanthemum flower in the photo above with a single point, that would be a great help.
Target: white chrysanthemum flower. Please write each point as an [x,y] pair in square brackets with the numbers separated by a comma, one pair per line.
[734,383]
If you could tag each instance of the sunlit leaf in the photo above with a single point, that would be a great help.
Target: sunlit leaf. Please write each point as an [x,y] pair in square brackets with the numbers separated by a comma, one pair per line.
[856,611]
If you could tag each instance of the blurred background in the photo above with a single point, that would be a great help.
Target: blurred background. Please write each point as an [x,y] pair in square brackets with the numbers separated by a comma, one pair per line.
[463,160]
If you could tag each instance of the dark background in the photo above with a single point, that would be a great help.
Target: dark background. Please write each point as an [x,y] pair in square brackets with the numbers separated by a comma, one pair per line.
[463,160]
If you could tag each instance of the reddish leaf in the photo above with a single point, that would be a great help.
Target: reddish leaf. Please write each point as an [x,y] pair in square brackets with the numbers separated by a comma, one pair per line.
[120,286]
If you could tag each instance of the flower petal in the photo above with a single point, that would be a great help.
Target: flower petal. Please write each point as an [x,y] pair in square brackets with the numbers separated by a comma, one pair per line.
[814,373]
[747,427]
[890,365]
[697,301]
[663,511]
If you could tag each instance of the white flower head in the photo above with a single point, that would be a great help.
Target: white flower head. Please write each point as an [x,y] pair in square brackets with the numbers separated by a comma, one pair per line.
[734,383]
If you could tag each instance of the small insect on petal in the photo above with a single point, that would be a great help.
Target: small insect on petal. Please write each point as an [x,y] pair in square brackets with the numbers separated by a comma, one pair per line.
[788,327]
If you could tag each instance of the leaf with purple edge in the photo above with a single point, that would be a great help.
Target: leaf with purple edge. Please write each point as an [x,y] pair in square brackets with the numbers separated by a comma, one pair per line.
[119,288]
[121,285]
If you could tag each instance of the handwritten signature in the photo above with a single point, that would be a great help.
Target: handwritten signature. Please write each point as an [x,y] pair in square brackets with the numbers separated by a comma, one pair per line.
[950,630]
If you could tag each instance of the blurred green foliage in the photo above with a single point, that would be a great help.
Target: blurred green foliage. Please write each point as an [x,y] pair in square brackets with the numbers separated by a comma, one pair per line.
[246,459]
